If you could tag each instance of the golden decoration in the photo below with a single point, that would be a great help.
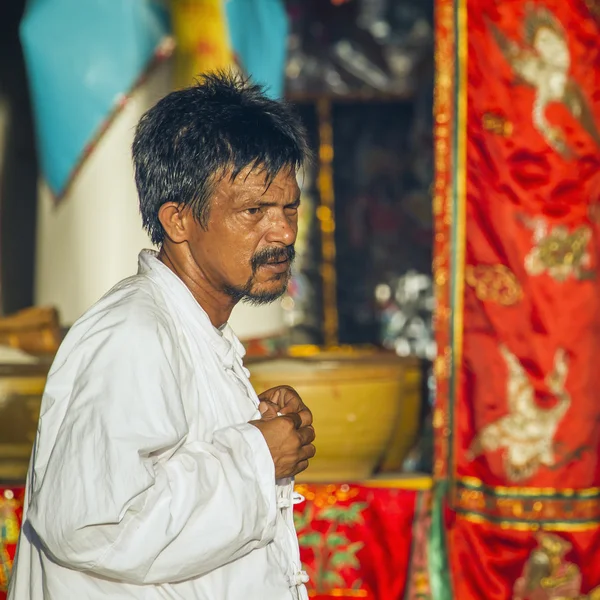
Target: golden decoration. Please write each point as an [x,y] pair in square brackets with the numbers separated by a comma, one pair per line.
[460,159]
[443,100]
[550,492]
[495,283]
[547,574]
[526,434]
[497,124]
[542,61]
[438,418]
[443,364]
[530,524]
[560,253]
[526,508]
[326,217]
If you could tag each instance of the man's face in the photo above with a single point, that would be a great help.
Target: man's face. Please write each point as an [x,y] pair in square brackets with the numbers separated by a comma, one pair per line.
[247,248]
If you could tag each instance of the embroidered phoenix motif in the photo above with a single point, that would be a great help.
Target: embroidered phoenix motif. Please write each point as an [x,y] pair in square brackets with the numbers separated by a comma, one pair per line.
[526,433]
[542,60]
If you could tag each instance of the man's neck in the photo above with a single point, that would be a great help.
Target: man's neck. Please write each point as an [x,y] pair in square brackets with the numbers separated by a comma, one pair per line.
[216,304]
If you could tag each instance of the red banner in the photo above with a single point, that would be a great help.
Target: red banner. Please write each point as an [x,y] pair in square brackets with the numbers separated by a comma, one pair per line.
[517,205]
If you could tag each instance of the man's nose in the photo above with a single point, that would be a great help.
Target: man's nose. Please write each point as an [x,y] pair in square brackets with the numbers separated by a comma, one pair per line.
[282,229]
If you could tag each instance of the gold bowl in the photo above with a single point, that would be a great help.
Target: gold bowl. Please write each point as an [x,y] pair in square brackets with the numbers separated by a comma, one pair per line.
[21,389]
[365,407]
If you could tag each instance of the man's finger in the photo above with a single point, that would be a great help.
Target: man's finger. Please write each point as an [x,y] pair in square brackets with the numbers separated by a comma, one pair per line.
[301,466]
[267,409]
[295,418]
[307,452]
[306,435]
[289,396]
[305,414]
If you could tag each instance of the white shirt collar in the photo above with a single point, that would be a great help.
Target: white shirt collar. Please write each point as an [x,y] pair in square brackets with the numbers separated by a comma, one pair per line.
[224,341]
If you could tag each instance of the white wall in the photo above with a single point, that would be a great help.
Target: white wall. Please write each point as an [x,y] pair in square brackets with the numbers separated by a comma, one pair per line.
[91,239]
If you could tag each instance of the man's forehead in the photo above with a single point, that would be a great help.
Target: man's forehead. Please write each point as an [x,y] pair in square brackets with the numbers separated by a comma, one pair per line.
[257,181]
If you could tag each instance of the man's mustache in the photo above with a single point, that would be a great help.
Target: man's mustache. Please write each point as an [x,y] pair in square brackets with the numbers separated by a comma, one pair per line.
[271,255]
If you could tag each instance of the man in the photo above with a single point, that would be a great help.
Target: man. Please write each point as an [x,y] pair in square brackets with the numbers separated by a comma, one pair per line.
[156,472]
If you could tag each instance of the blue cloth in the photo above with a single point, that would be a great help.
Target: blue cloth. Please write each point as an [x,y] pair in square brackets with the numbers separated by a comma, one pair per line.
[259,30]
[81,56]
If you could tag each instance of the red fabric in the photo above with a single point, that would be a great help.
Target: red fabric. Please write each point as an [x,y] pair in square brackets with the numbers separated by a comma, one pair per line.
[11,514]
[518,193]
[491,560]
[356,540]
[511,180]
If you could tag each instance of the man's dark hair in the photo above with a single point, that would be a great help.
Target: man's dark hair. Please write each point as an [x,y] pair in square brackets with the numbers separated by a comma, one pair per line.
[194,137]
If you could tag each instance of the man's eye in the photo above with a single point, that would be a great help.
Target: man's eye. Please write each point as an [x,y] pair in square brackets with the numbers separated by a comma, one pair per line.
[253,211]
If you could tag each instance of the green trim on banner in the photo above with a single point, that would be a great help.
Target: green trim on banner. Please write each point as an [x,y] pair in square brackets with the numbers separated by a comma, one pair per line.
[439,572]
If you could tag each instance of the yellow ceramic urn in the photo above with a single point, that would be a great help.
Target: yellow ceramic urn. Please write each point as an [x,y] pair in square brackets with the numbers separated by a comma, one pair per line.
[365,408]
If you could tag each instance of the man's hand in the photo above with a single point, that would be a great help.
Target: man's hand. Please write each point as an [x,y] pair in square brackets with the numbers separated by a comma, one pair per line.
[290,446]
[289,402]
[268,410]
[289,436]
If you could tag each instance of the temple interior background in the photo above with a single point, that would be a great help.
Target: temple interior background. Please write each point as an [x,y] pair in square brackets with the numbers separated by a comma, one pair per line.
[368,331]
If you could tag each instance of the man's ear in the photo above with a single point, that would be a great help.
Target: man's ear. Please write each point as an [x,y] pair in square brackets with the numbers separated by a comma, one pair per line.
[175,220]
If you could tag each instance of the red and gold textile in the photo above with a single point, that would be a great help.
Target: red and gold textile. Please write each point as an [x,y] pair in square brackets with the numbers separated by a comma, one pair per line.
[357,541]
[11,513]
[517,208]
[364,541]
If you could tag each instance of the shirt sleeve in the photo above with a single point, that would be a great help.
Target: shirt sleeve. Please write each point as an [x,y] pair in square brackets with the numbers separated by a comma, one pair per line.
[119,492]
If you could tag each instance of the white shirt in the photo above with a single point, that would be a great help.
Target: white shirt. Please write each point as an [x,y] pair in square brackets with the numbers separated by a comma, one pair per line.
[146,480]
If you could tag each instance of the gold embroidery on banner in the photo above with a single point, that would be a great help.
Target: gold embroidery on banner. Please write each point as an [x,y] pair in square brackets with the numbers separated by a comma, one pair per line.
[547,575]
[528,525]
[443,364]
[518,511]
[526,434]
[442,209]
[497,124]
[495,283]
[526,508]
[502,490]
[543,61]
[560,253]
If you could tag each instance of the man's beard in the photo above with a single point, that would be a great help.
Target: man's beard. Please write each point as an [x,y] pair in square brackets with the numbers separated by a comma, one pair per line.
[263,257]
